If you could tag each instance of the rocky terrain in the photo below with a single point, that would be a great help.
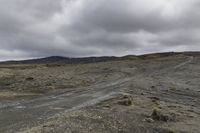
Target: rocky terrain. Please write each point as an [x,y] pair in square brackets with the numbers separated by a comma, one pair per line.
[155,93]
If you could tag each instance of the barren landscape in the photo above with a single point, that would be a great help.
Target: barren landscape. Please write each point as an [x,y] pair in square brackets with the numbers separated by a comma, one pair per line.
[155,93]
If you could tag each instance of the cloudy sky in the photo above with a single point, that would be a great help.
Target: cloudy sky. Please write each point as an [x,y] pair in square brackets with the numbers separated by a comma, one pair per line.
[38,28]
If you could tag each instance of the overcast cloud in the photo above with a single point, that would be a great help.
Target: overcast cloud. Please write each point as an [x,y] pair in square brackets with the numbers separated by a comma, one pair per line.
[38,28]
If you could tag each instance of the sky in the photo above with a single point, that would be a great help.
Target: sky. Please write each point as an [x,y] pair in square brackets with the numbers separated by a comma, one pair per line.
[79,28]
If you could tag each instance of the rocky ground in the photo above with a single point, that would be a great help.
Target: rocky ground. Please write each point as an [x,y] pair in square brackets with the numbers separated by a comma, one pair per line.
[148,94]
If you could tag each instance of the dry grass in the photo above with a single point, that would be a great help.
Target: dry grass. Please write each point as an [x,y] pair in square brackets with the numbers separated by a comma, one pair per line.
[11,94]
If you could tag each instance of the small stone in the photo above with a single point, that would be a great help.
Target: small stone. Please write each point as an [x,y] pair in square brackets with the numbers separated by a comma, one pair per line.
[149,120]
[107,106]
[29,78]
[153,87]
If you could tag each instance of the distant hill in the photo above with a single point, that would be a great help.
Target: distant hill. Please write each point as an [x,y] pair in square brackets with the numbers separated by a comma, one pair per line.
[61,60]
[67,60]
[167,54]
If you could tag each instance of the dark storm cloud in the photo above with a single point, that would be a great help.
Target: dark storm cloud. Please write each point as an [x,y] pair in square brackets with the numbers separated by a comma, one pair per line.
[93,28]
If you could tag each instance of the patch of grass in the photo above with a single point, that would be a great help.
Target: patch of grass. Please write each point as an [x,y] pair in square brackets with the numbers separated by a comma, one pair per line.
[127,101]
[4,82]
[173,89]
[159,116]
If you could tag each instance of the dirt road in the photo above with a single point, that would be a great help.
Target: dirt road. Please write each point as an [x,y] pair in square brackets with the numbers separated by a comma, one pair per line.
[15,115]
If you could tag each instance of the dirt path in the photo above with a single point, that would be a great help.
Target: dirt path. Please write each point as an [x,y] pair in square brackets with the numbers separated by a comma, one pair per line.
[23,114]
[191,58]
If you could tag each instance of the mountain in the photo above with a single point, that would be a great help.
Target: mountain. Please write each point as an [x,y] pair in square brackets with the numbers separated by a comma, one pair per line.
[61,60]
[67,60]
